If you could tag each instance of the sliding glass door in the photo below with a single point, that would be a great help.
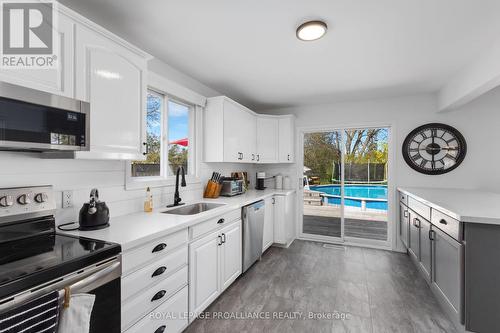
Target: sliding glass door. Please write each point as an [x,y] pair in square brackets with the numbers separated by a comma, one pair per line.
[345,185]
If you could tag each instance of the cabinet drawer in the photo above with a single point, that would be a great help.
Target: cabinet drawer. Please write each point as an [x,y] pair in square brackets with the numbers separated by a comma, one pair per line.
[420,208]
[152,274]
[171,316]
[134,259]
[136,307]
[403,198]
[212,224]
[446,223]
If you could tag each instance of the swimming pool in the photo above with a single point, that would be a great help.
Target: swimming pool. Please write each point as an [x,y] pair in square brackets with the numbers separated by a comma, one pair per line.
[372,196]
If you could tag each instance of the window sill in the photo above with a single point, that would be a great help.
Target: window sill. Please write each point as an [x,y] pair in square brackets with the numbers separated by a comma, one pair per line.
[152,182]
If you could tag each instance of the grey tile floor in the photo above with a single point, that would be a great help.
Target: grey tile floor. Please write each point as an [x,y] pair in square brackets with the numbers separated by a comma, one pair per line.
[365,290]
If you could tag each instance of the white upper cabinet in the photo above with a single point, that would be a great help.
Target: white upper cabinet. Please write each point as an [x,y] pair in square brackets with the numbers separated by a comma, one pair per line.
[113,79]
[286,140]
[234,133]
[267,139]
[230,131]
[57,81]
[103,69]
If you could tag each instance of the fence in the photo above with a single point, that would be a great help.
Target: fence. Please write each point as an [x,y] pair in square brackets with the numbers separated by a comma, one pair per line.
[361,172]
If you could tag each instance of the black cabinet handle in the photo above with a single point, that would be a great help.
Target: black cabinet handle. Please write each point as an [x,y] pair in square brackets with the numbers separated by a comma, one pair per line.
[159,271]
[221,221]
[258,157]
[443,221]
[288,157]
[145,144]
[160,329]
[223,238]
[274,201]
[220,240]
[253,157]
[158,295]
[415,220]
[431,235]
[159,247]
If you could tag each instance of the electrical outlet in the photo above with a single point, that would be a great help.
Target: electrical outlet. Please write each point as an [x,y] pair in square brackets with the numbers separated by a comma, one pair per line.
[67,199]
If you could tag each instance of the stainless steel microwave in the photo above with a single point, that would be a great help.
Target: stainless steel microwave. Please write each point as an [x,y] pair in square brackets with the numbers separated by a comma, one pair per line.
[33,120]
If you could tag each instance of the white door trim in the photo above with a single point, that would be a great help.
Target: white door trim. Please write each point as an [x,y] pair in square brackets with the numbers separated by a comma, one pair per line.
[392,238]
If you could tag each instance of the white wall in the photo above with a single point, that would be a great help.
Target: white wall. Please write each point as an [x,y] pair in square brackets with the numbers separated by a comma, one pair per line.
[478,121]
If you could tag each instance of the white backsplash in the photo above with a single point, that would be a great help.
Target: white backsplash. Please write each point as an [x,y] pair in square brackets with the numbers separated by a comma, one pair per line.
[80,176]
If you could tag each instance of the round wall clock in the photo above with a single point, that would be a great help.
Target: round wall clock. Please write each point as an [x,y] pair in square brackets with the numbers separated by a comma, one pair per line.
[434,149]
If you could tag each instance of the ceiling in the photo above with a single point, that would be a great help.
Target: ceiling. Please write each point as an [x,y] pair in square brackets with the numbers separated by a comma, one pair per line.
[248,50]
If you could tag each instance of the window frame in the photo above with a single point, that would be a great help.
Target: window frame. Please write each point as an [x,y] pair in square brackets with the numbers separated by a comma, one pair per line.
[164,179]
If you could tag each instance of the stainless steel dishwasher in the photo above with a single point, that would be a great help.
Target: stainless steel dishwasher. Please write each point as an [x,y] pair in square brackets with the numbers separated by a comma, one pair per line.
[253,229]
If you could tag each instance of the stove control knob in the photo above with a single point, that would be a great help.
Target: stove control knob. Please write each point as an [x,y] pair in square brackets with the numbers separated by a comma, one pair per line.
[6,201]
[41,197]
[23,199]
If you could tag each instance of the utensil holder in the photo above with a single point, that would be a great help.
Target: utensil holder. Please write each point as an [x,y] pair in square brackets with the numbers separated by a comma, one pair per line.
[212,190]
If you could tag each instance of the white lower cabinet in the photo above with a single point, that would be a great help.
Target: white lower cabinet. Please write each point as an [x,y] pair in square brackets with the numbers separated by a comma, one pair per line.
[155,280]
[284,218]
[268,236]
[170,317]
[204,272]
[215,262]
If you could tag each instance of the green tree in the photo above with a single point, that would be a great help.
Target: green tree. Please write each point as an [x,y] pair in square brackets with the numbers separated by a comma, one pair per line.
[177,157]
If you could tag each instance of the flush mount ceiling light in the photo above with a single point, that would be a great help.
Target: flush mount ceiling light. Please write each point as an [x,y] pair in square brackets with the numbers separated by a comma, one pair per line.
[311,30]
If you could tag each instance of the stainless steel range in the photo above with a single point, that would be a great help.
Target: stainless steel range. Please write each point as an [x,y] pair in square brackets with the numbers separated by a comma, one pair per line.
[36,262]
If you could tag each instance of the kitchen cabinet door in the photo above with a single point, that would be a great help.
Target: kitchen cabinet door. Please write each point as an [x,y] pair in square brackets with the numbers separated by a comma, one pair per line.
[57,81]
[290,214]
[414,248]
[234,123]
[425,248]
[113,79]
[267,139]
[286,140]
[231,254]
[249,137]
[447,274]
[268,236]
[279,219]
[404,224]
[204,272]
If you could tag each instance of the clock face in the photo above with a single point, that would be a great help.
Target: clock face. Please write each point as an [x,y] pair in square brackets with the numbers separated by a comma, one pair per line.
[434,149]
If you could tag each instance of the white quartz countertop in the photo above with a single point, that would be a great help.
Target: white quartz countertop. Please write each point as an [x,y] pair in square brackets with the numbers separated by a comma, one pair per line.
[135,229]
[469,206]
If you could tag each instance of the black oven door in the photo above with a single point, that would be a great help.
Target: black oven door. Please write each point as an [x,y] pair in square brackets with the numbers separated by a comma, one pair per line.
[106,314]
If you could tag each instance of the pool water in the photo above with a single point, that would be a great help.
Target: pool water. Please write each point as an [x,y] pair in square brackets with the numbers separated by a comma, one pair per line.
[353,192]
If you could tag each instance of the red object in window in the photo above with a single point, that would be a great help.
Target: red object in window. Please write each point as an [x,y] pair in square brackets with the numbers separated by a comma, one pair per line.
[182,142]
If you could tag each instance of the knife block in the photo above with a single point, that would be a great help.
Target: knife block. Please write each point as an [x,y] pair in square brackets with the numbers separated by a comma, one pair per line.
[212,190]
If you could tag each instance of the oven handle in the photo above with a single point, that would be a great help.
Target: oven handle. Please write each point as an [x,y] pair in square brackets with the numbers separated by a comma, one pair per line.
[97,279]
[88,279]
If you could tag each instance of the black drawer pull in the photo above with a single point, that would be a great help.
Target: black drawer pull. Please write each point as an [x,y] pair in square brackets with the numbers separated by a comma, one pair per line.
[158,295]
[221,221]
[161,329]
[159,271]
[443,221]
[159,247]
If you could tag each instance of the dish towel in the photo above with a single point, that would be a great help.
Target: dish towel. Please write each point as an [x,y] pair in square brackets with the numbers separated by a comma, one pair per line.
[76,317]
[38,315]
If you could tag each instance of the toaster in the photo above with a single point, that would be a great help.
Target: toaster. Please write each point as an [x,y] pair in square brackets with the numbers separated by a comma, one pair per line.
[232,187]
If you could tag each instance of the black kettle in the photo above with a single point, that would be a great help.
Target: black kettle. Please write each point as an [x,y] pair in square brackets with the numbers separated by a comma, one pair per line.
[94,214]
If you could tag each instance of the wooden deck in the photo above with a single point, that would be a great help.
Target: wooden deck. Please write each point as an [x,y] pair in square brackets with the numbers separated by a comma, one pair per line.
[325,221]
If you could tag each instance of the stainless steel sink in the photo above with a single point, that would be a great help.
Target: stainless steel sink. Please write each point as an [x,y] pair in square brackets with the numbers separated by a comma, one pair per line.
[193,209]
